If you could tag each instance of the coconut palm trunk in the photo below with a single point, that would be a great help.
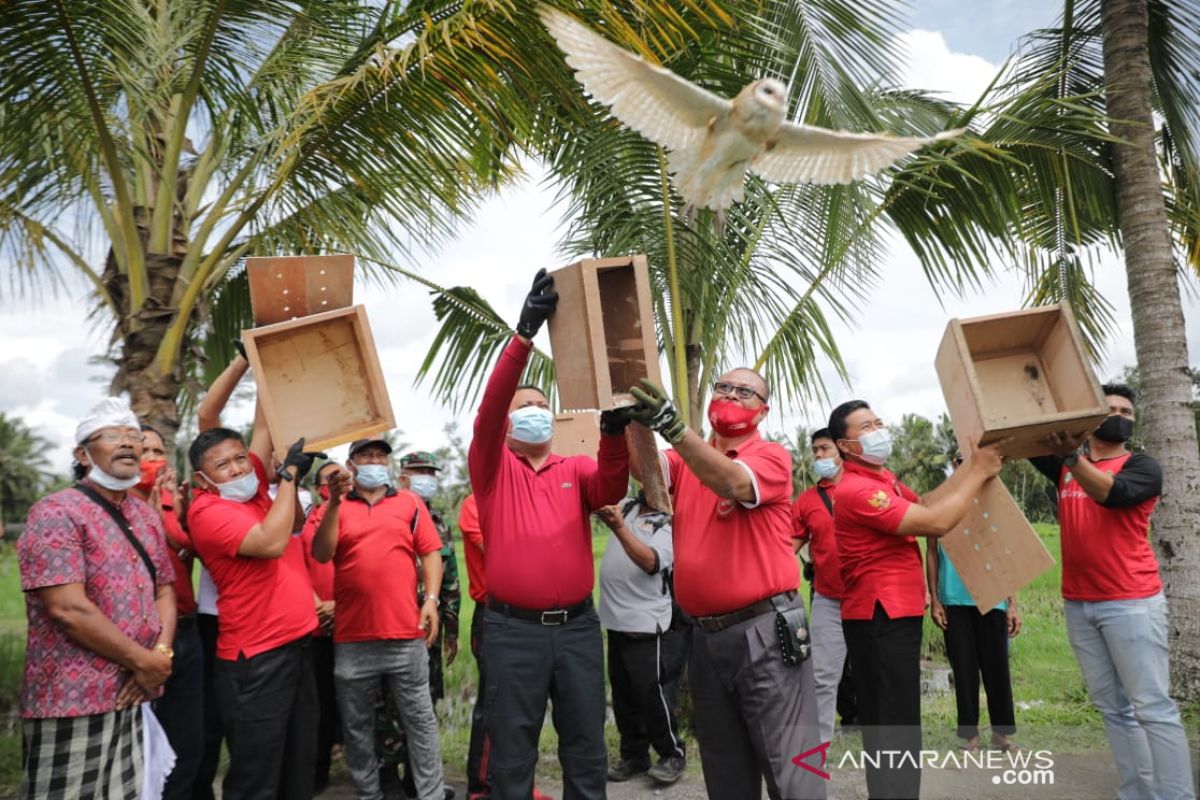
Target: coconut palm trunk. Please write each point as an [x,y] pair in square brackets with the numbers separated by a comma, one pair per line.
[1158,328]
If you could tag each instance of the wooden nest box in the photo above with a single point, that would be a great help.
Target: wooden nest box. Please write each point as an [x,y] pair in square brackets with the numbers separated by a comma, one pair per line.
[312,353]
[1019,376]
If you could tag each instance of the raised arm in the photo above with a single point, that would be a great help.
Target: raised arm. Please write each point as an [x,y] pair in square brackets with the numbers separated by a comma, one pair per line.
[952,503]
[208,412]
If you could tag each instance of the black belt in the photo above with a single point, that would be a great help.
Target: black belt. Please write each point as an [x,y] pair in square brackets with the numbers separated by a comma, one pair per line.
[185,621]
[719,622]
[551,616]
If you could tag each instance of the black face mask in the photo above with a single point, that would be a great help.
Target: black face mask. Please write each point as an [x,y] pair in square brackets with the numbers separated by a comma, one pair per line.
[1115,429]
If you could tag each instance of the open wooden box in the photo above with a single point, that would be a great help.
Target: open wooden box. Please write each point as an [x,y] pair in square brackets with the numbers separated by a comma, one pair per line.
[1020,375]
[319,377]
[602,333]
[576,433]
[288,287]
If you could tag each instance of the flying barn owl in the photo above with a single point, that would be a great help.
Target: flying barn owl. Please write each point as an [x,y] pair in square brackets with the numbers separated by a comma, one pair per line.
[713,141]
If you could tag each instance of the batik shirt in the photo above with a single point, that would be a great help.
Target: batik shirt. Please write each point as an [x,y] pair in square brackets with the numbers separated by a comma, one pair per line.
[68,538]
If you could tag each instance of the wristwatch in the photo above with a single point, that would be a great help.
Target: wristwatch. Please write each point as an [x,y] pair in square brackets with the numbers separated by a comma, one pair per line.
[434,598]
[165,649]
[1072,459]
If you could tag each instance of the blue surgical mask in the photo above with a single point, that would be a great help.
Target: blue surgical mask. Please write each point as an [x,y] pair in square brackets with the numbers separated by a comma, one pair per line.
[425,486]
[532,425]
[876,446]
[239,490]
[827,467]
[372,476]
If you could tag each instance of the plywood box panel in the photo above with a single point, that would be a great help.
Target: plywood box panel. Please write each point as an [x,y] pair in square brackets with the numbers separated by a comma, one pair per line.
[994,549]
[576,433]
[319,377]
[288,287]
[1018,376]
[602,332]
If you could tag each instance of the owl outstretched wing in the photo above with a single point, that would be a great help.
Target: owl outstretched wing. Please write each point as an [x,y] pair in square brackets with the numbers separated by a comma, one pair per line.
[807,154]
[654,101]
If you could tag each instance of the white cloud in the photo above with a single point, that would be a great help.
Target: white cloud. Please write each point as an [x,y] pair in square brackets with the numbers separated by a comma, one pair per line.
[931,65]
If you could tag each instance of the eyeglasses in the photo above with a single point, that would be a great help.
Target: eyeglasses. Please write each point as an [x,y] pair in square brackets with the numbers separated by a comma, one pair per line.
[743,392]
[116,437]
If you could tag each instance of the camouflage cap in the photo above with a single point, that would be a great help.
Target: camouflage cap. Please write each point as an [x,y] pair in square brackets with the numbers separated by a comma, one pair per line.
[419,459]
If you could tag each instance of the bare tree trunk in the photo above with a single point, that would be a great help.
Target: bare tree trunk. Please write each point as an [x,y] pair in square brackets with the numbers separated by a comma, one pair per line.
[1158,328]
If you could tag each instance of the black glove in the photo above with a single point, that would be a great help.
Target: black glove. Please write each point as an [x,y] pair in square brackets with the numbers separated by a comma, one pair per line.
[656,411]
[296,457]
[615,421]
[539,305]
[241,349]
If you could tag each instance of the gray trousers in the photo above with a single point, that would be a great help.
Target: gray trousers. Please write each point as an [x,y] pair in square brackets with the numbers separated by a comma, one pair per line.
[357,669]
[754,714]
[527,663]
[828,658]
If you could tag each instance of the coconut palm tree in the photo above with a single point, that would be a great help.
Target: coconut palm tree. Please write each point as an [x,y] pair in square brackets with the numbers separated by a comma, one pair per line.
[24,468]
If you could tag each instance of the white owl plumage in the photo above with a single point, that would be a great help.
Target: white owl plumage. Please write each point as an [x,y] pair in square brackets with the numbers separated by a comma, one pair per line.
[713,140]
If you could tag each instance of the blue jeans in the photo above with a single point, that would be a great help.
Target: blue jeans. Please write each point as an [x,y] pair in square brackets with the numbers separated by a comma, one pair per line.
[1121,646]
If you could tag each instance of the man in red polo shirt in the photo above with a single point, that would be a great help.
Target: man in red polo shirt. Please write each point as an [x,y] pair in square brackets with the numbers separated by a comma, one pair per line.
[876,519]
[374,537]
[542,634]
[1113,600]
[812,520]
[736,575]
[263,669]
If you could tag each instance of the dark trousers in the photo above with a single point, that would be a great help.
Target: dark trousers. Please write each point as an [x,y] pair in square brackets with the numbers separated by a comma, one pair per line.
[978,643]
[210,758]
[527,664]
[269,710]
[753,713]
[886,654]
[644,714]
[478,755]
[179,708]
[328,724]
[847,701]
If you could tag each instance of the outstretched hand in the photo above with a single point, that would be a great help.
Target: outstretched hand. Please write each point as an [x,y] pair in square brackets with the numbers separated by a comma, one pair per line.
[539,305]
[656,411]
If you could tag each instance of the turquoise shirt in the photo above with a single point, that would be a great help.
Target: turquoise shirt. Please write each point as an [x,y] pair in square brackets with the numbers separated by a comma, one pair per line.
[951,590]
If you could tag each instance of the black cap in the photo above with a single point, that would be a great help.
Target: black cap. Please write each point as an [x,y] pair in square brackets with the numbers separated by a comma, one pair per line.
[359,444]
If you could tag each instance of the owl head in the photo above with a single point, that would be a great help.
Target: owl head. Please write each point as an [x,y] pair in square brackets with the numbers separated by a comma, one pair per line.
[770,93]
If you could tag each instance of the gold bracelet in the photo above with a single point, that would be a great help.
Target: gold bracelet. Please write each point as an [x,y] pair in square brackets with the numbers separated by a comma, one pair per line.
[165,649]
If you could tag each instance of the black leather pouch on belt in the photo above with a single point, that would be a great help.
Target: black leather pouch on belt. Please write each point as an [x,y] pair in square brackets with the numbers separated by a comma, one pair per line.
[791,626]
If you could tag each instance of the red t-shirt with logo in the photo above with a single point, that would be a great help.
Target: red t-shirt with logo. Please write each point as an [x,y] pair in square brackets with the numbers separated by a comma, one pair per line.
[375,571]
[812,522]
[1106,551]
[877,565]
[263,603]
[729,555]
[468,523]
[539,536]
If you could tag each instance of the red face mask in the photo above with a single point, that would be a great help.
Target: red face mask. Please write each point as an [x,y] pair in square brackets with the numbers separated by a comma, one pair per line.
[150,474]
[324,492]
[731,419]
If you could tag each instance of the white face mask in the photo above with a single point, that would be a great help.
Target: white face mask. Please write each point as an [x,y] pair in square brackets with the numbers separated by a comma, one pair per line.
[239,490]
[111,482]
[826,467]
[425,486]
[532,425]
[372,476]
[876,446]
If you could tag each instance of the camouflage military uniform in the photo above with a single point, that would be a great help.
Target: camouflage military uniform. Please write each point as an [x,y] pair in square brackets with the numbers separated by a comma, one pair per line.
[389,731]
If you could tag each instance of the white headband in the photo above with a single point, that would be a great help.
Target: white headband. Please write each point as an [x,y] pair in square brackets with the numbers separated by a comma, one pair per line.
[111,412]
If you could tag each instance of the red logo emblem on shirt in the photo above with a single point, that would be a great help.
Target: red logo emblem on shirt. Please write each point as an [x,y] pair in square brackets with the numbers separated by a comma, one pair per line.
[880,500]
[724,507]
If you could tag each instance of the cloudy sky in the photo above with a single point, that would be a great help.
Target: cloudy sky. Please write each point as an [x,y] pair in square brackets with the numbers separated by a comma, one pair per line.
[50,356]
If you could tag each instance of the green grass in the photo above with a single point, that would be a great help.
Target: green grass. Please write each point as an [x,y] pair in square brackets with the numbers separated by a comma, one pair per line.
[1044,673]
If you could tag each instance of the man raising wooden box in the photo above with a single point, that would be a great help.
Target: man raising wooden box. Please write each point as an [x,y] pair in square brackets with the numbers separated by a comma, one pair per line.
[542,634]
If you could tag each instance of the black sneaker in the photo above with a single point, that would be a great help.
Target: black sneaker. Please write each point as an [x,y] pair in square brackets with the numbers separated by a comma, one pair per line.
[623,770]
[668,770]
